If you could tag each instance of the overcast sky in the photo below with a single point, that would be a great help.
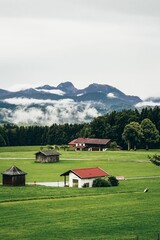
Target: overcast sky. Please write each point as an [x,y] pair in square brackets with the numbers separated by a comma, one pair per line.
[114,42]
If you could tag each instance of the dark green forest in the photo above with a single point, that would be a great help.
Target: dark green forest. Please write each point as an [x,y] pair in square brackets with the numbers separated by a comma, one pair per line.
[127,128]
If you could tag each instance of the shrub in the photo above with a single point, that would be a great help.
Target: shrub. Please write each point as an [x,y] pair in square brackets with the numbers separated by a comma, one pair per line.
[113,145]
[113,181]
[99,182]
[49,147]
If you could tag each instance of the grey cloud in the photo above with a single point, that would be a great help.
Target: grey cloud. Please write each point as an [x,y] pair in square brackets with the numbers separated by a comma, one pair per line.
[31,101]
[147,103]
[77,9]
[60,112]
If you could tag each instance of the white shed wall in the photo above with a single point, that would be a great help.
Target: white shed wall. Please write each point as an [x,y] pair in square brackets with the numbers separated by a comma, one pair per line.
[71,177]
[81,182]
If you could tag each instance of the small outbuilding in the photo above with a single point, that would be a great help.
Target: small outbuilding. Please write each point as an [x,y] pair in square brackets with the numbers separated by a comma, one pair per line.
[14,177]
[83,177]
[47,156]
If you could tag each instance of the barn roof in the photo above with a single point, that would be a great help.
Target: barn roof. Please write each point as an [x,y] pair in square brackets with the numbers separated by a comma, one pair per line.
[13,171]
[97,141]
[87,172]
[49,153]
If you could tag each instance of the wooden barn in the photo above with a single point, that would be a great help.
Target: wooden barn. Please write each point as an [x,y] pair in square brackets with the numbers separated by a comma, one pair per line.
[47,156]
[13,177]
[90,144]
[83,177]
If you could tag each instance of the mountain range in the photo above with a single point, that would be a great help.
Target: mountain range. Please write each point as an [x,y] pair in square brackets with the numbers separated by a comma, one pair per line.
[45,105]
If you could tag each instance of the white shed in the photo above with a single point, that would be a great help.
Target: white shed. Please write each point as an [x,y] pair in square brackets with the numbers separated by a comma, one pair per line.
[83,177]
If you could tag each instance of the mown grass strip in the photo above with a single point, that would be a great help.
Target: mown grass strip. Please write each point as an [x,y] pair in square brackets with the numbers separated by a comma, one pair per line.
[62,197]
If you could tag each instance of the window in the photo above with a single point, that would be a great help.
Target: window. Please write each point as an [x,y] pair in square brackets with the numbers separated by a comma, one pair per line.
[75,182]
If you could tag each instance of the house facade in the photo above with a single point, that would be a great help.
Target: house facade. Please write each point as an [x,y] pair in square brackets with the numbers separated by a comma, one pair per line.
[83,177]
[90,144]
[47,156]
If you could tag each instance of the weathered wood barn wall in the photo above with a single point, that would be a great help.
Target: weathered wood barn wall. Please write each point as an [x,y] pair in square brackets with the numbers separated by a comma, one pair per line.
[47,156]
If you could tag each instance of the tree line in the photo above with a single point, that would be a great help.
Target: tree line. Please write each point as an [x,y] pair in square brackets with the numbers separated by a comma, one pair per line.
[130,129]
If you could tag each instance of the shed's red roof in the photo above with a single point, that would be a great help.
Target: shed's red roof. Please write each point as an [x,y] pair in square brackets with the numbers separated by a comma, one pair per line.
[90,172]
[90,141]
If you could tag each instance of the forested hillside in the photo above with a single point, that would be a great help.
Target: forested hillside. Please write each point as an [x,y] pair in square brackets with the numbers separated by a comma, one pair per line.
[140,129]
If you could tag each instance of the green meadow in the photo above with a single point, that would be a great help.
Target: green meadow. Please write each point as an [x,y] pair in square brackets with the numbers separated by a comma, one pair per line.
[39,212]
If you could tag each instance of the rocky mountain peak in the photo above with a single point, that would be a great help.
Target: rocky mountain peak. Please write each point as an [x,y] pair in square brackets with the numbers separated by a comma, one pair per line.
[45,87]
[67,87]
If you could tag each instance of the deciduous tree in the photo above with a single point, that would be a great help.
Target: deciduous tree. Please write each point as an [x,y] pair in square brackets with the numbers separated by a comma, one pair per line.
[132,134]
[150,133]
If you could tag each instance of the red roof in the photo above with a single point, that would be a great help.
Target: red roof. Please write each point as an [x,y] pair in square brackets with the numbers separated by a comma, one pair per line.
[89,172]
[90,141]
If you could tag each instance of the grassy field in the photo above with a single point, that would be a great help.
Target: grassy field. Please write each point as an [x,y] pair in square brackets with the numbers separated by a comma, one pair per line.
[115,213]
[117,163]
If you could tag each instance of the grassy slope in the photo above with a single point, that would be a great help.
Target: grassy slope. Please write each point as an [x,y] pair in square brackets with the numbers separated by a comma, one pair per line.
[123,212]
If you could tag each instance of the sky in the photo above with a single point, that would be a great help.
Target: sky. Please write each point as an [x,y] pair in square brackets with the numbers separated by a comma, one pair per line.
[113,42]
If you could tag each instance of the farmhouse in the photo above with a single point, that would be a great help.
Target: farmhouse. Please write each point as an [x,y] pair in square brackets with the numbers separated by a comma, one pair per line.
[47,156]
[83,177]
[90,144]
[14,177]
